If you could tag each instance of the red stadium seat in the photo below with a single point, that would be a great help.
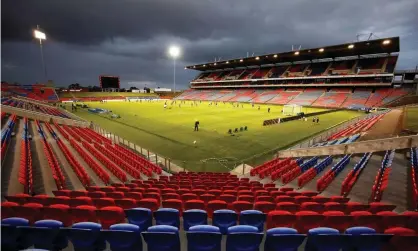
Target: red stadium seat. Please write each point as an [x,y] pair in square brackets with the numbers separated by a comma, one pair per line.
[248,198]
[115,195]
[189,196]
[231,192]
[110,215]
[301,199]
[280,218]
[18,198]
[366,219]
[320,199]
[413,220]
[265,198]
[245,192]
[288,206]
[339,199]
[376,207]
[334,206]
[239,206]
[169,196]
[356,206]
[293,193]
[312,206]
[103,202]
[62,193]
[309,193]
[8,209]
[286,189]
[149,203]
[59,200]
[284,198]
[182,191]
[133,195]
[174,203]
[306,220]
[401,231]
[337,220]
[391,220]
[58,212]
[78,193]
[194,204]
[264,206]
[30,211]
[84,214]
[207,197]
[274,194]
[214,205]
[96,194]
[152,195]
[228,198]
[40,198]
[82,200]
[126,203]
[167,190]
[215,192]
[261,193]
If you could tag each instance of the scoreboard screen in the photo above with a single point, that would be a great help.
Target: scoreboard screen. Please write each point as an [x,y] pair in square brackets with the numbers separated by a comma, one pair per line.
[109,82]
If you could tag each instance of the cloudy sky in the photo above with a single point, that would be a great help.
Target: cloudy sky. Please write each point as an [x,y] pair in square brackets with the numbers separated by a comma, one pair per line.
[129,38]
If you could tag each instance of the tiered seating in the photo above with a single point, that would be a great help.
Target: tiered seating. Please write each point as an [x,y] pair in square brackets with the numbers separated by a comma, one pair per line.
[269,167]
[357,99]
[228,95]
[6,134]
[75,165]
[57,174]
[414,177]
[277,72]
[344,67]
[381,180]
[296,70]
[284,97]
[377,97]
[3,115]
[354,174]
[331,99]
[371,65]
[38,92]
[391,63]
[250,73]
[279,172]
[307,97]
[318,69]
[25,169]
[329,176]
[298,170]
[45,93]
[395,94]
[34,107]
[311,173]
[233,75]
[262,73]
[146,166]
[243,96]
[266,96]
[360,126]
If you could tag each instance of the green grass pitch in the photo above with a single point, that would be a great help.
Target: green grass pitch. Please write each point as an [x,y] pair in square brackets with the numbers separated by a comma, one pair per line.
[170,132]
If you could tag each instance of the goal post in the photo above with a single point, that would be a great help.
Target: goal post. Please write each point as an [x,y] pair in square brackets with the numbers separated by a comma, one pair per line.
[292,109]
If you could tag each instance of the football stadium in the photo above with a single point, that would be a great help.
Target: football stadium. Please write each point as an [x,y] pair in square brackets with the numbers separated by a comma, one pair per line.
[309,149]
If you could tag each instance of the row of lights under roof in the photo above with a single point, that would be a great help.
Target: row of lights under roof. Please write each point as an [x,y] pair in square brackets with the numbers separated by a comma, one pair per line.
[350,46]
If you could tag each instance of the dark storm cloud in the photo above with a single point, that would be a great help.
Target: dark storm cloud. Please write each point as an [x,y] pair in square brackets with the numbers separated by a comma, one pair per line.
[130,38]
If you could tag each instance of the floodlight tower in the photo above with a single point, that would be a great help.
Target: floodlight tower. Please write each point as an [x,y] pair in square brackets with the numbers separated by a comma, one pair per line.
[41,36]
[174,52]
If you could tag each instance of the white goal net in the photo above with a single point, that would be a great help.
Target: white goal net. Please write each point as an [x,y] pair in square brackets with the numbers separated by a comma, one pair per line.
[292,109]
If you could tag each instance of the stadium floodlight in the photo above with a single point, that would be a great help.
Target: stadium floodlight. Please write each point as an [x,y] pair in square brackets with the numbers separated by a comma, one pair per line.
[275,55]
[214,64]
[227,62]
[321,50]
[387,41]
[296,53]
[41,36]
[241,60]
[174,52]
[257,58]
[204,65]
[351,46]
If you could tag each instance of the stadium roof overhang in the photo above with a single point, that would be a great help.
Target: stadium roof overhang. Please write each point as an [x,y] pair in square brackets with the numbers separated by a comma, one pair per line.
[378,46]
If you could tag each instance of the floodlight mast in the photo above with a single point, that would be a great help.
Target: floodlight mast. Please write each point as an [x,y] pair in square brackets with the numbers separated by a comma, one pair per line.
[174,52]
[41,36]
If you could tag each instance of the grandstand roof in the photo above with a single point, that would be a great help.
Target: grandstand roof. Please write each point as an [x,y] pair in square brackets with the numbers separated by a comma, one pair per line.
[378,46]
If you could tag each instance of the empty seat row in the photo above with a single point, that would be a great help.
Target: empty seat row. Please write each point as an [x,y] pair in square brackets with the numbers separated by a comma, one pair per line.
[323,182]
[354,174]
[414,177]
[51,235]
[6,134]
[381,179]
[25,175]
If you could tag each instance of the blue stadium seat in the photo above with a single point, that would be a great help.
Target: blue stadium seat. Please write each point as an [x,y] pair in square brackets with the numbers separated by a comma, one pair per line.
[204,238]
[283,239]
[167,216]
[86,236]
[194,217]
[47,234]
[142,217]
[155,234]
[365,239]
[123,237]
[253,218]
[324,239]
[11,236]
[224,219]
[243,237]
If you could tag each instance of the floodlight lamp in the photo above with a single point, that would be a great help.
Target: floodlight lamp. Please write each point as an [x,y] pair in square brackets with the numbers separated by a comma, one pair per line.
[174,51]
[204,65]
[387,41]
[257,58]
[241,60]
[214,64]
[296,53]
[321,50]
[351,46]
[275,55]
[39,35]
[227,62]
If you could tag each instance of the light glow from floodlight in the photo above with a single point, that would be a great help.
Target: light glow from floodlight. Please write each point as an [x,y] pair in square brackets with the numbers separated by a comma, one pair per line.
[241,60]
[387,41]
[39,35]
[257,58]
[296,53]
[351,46]
[214,64]
[204,65]
[321,50]
[227,62]
[174,51]
[275,55]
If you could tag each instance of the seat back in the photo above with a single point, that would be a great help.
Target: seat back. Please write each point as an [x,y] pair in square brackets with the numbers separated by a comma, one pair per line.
[167,216]
[141,217]
[204,237]
[123,237]
[253,218]
[110,215]
[194,217]
[86,236]
[84,214]
[243,238]
[224,219]
[155,234]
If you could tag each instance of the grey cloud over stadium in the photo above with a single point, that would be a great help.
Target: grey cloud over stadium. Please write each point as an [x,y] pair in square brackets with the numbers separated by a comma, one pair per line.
[129,38]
